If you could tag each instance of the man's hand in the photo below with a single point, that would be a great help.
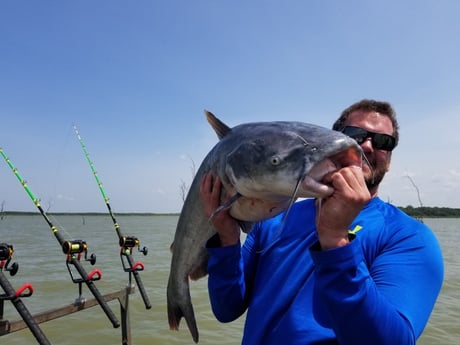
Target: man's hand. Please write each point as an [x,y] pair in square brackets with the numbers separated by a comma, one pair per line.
[227,227]
[337,212]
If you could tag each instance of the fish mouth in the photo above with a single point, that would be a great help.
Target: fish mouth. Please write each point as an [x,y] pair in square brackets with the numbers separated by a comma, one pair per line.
[312,184]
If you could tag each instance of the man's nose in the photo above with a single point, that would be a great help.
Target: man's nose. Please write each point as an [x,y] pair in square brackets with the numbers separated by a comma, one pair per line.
[366,145]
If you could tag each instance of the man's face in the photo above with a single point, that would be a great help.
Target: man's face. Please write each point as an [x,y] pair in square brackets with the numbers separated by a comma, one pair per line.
[378,161]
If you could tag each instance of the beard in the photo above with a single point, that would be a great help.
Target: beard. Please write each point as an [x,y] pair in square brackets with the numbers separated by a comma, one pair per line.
[374,175]
[373,181]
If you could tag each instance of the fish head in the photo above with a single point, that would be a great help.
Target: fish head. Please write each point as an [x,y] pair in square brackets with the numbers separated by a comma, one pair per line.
[282,160]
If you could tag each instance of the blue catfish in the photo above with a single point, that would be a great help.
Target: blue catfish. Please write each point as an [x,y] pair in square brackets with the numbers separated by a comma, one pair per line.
[264,167]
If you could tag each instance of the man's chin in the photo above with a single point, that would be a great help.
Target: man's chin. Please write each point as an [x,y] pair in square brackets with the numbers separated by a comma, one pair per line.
[373,179]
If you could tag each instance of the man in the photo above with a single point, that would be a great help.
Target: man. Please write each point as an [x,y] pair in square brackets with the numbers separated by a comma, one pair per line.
[349,269]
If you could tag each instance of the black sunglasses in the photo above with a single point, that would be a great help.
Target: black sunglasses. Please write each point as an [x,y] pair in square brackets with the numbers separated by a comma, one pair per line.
[380,141]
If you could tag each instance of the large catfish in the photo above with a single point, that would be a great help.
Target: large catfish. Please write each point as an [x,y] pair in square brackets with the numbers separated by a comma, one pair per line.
[265,166]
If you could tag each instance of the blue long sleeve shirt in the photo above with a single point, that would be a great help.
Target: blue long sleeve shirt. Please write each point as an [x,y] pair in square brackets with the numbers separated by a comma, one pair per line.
[379,289]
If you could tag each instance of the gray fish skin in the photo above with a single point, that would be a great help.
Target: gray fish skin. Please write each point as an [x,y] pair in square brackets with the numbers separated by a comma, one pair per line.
[263,161]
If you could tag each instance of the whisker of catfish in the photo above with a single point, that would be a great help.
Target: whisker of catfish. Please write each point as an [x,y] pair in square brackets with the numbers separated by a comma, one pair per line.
[286,213]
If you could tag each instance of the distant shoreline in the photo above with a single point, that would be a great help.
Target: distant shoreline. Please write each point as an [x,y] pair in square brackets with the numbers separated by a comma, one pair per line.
[431,212]
[416,212]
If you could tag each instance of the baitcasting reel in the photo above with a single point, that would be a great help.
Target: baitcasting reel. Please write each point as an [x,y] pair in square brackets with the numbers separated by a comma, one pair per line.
[127,243]
[6,253]
[77,247]
[74,250]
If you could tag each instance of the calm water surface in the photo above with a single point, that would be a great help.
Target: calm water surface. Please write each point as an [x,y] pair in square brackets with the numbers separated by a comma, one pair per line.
[42,263]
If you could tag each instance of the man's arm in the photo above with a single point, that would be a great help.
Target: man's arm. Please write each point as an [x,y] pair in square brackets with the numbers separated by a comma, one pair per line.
[390,302]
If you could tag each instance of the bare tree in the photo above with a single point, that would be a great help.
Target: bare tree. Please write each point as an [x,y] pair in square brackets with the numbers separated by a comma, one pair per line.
[183,187]
[2,211]
[192,167]
[416,188]
[50,203]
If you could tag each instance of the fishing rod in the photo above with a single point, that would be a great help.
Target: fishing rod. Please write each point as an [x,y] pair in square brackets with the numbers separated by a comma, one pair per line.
[74,250]
[127,243]
[6,253]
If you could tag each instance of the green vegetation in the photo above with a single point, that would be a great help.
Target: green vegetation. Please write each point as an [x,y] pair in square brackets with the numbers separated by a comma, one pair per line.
[431,212]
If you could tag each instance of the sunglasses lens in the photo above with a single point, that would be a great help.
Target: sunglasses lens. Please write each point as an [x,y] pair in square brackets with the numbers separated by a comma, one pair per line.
[379,141]
[355,133]
[383,142]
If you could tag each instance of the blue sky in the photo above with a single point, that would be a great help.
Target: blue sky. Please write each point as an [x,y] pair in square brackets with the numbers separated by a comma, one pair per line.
[135,77]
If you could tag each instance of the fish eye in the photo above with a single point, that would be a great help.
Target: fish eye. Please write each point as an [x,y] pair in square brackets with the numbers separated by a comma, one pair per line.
[275,160]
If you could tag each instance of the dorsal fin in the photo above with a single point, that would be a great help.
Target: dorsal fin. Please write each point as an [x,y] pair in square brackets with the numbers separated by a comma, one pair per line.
[219,127]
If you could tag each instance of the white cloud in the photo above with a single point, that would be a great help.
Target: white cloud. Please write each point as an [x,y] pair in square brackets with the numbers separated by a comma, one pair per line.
[160,191]
[65,197]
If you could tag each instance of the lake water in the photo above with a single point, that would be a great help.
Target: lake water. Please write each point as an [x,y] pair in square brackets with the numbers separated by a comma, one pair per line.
[42,264]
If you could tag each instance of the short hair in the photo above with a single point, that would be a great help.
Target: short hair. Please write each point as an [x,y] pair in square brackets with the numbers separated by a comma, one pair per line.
[383,108]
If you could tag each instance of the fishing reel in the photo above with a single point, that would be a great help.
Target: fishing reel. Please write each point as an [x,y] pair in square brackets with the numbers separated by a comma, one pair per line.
[127,243]
[26,290]
[6,254]
[74,249]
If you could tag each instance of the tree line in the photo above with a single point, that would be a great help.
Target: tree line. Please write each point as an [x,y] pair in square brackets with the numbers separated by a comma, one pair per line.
[431,212]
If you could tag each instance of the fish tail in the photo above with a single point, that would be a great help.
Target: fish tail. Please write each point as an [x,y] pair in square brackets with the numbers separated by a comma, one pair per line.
[177,310]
